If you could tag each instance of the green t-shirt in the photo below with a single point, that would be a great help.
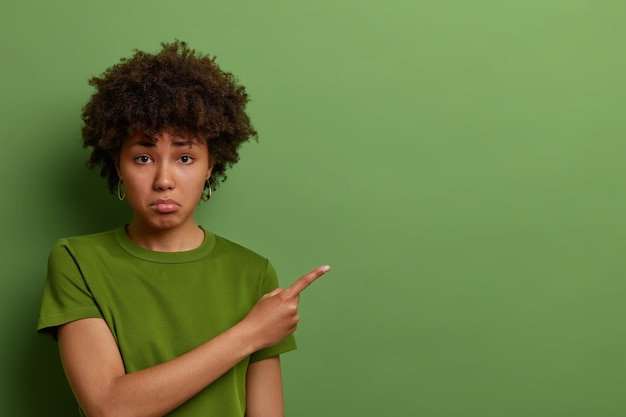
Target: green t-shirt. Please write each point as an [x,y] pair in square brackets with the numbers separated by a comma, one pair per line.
[160,305]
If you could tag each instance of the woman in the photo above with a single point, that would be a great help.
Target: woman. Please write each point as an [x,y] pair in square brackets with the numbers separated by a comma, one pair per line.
[162,316]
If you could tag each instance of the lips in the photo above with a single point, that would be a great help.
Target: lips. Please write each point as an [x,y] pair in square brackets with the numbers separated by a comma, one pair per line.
[165,206]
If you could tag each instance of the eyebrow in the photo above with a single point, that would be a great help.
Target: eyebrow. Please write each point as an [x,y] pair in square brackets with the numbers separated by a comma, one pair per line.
[183,143]
[147,143]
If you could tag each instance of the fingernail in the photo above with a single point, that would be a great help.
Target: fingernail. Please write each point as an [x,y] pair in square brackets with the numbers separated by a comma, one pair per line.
[326,268]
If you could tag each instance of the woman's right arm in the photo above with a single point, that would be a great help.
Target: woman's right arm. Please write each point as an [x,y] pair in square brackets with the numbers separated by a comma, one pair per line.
[95,370]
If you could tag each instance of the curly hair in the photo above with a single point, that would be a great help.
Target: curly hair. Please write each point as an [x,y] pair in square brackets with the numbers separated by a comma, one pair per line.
[178,90]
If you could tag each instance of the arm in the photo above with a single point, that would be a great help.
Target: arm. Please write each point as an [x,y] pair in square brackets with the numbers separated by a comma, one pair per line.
[95,369]
[264,389]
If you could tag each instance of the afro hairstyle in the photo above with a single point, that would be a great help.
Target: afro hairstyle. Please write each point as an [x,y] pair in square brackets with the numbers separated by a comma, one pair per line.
[177,90]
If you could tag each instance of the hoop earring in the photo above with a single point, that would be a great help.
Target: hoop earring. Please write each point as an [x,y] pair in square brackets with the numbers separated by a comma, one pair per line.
[121,192]
[207,196]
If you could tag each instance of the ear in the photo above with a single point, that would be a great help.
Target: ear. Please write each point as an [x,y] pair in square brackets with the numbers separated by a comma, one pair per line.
[209,171]
[116,163]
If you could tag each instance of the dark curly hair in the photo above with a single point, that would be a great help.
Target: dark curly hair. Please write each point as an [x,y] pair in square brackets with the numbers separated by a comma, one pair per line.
[178,90]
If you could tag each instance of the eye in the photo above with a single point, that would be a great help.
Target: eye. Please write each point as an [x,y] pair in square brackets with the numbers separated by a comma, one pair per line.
[186,159]
[143,159]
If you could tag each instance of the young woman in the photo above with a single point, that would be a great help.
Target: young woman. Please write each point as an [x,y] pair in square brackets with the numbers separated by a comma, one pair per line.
[161,316]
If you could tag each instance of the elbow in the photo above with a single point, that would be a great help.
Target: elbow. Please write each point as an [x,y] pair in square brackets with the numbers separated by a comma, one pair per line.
[103,412]
[106,409]
[118,409]
[95,410]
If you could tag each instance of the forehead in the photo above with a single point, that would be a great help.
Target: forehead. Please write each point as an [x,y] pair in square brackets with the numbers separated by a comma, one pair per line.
[163,137]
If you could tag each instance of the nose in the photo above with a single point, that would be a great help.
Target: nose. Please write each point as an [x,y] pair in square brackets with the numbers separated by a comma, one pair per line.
[164,178]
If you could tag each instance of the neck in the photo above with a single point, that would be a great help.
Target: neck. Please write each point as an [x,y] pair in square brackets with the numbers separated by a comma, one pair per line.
[165,240]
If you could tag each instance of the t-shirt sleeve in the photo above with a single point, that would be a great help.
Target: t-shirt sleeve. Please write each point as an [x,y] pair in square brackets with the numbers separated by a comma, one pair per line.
[66,296]
[270,283]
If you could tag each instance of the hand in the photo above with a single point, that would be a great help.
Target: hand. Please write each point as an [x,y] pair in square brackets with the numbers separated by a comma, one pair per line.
[275,315]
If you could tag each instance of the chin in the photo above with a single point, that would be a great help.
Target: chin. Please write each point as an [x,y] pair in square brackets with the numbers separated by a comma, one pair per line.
[165,223]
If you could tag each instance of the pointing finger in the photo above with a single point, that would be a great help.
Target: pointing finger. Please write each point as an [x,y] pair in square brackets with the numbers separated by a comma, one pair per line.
[307,279]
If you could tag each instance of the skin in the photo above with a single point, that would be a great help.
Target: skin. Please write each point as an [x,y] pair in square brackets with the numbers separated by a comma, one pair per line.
[164,181]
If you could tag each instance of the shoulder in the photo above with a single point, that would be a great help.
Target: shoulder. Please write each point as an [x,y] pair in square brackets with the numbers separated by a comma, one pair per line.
[87,240]
[244,262]
[234,252]
[83,244]
[227,246]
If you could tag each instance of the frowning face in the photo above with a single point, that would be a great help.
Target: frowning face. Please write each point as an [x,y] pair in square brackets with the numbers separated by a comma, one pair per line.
[163,179]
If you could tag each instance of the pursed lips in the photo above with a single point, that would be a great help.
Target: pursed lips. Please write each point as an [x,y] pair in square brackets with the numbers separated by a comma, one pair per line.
[165,206]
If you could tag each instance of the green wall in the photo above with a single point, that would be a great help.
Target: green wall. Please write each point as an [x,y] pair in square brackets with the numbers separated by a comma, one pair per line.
[458,163]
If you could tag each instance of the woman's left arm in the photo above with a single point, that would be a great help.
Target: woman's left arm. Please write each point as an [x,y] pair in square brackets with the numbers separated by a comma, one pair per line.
[264,389]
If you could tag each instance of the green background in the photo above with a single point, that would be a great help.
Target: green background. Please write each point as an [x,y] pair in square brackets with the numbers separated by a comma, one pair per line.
[458,163]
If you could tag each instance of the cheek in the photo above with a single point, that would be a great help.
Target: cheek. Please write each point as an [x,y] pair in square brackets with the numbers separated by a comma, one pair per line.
[202,186]
[133,195]
[130,182]
[135,187]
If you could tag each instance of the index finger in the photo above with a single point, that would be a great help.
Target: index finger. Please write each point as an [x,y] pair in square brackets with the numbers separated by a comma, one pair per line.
[305,280]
